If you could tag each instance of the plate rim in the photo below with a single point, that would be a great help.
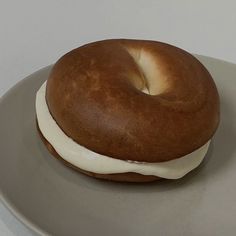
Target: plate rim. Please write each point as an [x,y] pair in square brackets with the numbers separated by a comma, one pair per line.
[20,217]
[8,204]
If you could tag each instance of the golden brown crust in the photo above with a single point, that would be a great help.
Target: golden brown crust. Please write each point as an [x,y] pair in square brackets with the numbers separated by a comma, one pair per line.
[93,93]
[121,177]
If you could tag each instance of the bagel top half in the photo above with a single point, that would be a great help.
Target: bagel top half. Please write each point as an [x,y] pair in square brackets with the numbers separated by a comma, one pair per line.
[136,100]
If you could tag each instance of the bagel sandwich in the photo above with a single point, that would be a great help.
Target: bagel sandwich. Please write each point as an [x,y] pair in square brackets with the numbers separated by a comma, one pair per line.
[128,110]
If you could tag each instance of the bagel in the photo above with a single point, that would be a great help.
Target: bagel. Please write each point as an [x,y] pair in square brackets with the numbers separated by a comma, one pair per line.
[128,110]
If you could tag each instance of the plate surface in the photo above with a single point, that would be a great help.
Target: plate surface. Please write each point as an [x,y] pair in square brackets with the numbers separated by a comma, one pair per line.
[51,198]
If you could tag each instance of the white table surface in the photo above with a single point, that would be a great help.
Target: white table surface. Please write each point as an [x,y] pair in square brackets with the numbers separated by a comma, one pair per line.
[33,34]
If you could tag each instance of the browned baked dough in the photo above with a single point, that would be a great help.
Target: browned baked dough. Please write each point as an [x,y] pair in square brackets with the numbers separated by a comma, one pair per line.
[93,93]
[122,177]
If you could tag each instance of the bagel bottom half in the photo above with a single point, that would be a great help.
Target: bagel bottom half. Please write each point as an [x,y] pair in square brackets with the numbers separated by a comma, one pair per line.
[120,177]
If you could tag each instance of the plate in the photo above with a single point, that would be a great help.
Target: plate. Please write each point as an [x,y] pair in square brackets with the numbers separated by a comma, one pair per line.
[53,199]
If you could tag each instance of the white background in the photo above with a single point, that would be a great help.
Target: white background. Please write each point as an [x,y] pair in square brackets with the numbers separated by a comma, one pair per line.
[33,34]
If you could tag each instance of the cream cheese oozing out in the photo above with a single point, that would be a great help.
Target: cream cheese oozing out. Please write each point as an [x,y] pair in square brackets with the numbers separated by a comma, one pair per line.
[91,161]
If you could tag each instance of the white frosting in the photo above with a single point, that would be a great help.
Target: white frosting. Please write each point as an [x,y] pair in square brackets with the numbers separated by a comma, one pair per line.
[91,161]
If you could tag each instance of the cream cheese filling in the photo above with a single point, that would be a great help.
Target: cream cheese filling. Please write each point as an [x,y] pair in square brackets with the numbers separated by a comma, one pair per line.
[91,161]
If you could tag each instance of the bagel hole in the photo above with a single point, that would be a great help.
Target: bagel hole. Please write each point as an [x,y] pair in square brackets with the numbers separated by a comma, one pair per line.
[153,83]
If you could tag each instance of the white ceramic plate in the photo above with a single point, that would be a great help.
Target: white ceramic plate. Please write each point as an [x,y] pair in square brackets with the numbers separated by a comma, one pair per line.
[53,199]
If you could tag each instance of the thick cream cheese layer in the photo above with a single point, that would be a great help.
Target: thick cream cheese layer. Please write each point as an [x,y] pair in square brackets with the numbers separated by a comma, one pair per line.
[91,161]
